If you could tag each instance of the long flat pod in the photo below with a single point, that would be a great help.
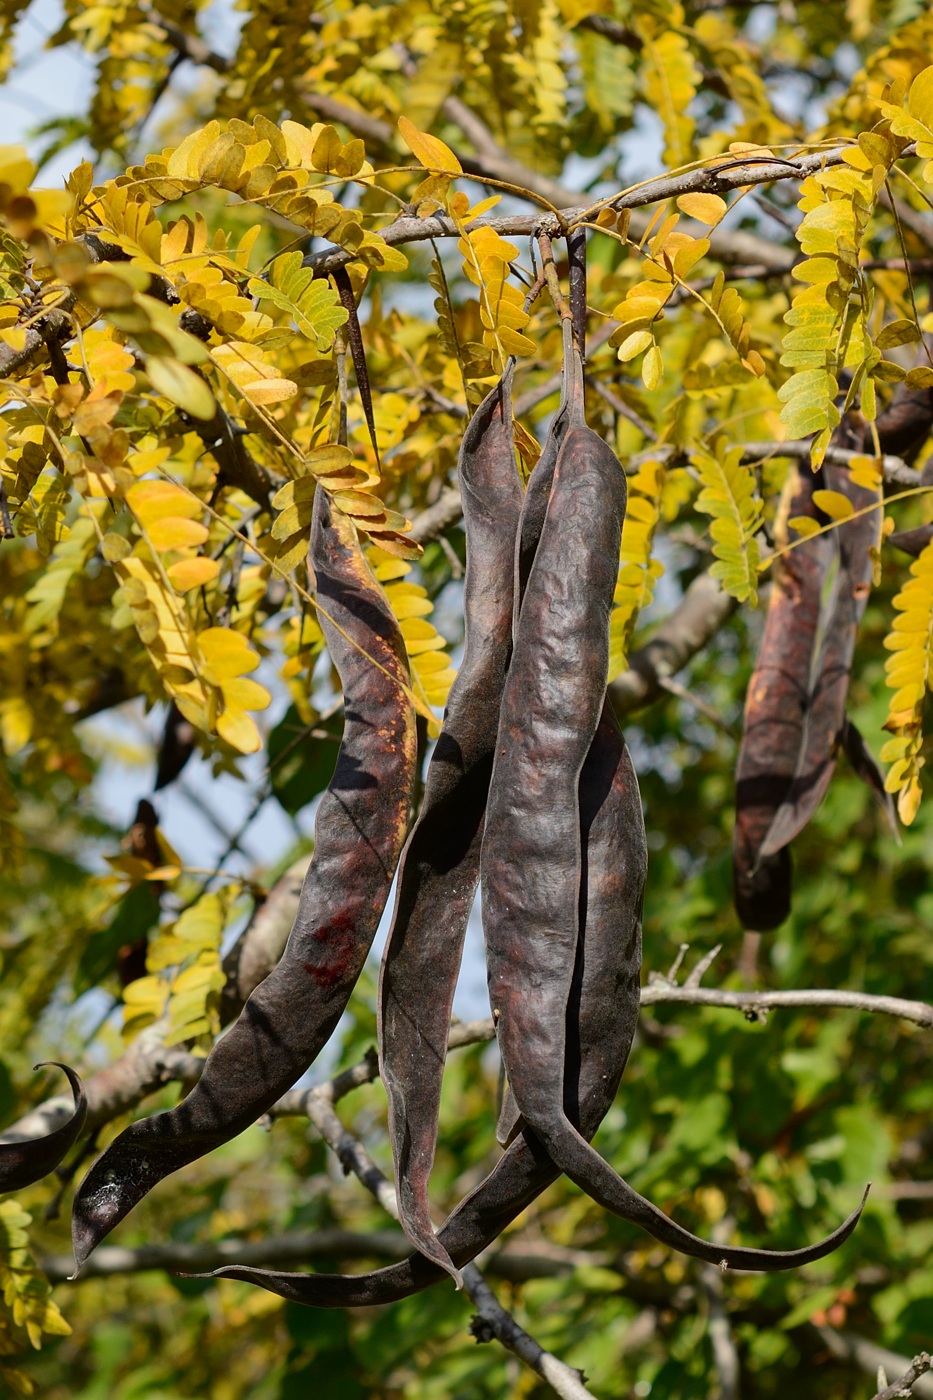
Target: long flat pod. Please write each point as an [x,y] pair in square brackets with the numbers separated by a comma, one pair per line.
[601,1016]
[825,715]
[532,850]
[775,712]
[439,869]
[360,828]
[22,1163]
[538,491]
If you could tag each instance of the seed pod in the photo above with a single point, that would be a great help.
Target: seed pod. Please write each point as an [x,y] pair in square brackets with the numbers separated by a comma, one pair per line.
[22,1163]
[538,491]
[360,828]
[532,851]
[795,719]
[601,1016]
[775,711]
[825,717]
[439,869]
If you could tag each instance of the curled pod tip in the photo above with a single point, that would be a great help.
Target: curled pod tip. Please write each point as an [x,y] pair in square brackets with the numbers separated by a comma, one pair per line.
[602,1012]
[22,1163]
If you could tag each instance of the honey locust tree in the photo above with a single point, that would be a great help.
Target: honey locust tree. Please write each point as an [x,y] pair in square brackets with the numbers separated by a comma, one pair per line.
[302,247]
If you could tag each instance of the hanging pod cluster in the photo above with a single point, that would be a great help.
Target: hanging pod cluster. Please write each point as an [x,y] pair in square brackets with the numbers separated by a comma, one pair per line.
[795,721]
[531,794]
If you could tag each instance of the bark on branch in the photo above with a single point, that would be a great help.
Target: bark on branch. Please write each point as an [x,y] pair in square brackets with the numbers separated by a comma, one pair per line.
[709,180]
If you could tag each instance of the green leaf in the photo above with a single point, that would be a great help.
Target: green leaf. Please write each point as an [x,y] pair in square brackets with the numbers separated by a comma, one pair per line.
[313,304]
[301,766]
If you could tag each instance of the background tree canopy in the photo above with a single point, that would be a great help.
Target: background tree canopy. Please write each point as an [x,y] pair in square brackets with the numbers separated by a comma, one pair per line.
[179,366]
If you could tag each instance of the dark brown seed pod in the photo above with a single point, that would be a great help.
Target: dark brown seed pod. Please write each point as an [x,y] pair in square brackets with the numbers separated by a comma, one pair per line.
[532,851]
[360,828]
[795,711]
[439,869]
[775,712]
[825,713]
[601,1015]
[538,491]
[22,1163]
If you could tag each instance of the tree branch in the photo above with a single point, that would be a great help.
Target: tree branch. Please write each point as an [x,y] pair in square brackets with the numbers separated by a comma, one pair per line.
[55,325]
[895,469]
[693,623]
[868,1356]
[663,994]
[236,466]
[917,1368]
[719,179]
[496,1322]
[262,943]
[722,1342]
[518,1265]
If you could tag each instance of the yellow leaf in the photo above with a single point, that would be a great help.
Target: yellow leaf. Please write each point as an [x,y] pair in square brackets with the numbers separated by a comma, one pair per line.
[262,391]
[244,694]
[514,343]
[193,573]
[175,533]
[920,97]
[834,504]
[634,344]
[866,471]
[182,386]
[15,725]
[705,208]
[156,500]
[16,169]
[652,368]
[330,457]
[432,153]
[358,503]
[227,653]
[239,731]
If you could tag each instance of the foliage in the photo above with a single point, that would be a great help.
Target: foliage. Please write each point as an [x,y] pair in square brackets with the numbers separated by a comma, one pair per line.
[175,384]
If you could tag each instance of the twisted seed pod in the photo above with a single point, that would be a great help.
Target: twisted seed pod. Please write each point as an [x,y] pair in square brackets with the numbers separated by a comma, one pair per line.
[601,1015]
[360,828]
[532,849]
[439,869]
[22,1163]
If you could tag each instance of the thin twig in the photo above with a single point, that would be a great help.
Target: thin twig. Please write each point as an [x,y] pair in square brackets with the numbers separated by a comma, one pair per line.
[675,688]
[354,1158]
[753,1003]
[618,405]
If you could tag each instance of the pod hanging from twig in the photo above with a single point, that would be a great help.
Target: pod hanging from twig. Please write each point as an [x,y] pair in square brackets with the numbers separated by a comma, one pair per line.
[532,852]
[824,729]
[360,828]
[775,710]
[602,1012]
[22,1163]
[439,869]
[795,721]
[603,1006]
